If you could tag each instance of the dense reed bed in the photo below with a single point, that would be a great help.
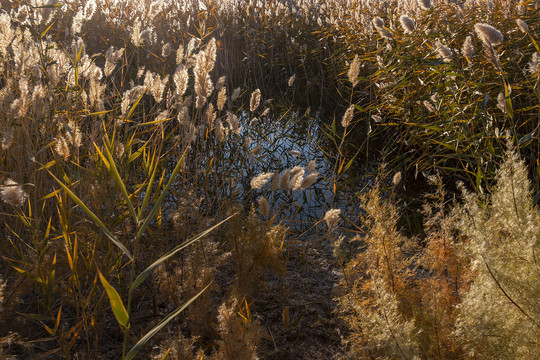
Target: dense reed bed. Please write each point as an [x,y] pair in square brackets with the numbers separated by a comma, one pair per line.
[169,169]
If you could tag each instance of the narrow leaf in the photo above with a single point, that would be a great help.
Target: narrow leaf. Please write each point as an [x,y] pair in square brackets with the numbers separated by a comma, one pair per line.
[46,31]
[162,195]
[116,303]
[509,108]
[137,347]
[171,253]
[114,172]
[94,218]
[132,110]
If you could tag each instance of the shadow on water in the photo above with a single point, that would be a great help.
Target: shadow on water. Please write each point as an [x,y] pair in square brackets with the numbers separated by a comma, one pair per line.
[284,143]
[295,139]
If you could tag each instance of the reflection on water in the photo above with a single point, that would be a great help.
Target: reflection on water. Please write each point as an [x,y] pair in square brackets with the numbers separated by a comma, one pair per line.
[280,144]
[273,144]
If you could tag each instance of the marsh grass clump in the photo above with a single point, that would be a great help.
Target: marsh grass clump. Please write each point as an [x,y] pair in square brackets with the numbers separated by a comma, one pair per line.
[374,294]
[255,246]
[499,314]
[472,290]
[137,140]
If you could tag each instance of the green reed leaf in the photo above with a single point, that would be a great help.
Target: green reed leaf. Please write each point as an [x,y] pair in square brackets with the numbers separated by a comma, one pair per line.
[171,253]
[46,31]
[94,218]
[137,347]
[147,195]
[116,302]
[162,195]
[114,172]
[137,153]
[509,108]
[132,110]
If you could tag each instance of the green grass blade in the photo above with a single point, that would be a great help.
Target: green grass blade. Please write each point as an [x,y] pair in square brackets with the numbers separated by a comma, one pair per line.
[137,153]
[94,218]
[132,110]
[171,253]
[46,31]
[147,195]
[114,172]
[137,347]
[162,195]
[116,302]
[509,108]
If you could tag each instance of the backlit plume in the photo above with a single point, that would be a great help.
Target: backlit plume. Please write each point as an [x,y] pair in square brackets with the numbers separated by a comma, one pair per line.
[354,70]
[255,100]
[13,193]
[407,23]
[260,180]
[488,34]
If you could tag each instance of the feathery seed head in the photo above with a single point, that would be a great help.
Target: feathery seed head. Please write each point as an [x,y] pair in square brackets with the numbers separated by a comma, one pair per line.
[166,50]
[235,94]
[183,115]
[221,82]
[210,115]
[312,165]
[294,153]
[13,193]
[407,23]
[534,64]
[488,34]
[22,14]
[264,207]
[297,177]
[220,130]
[291,80]
[275,181]
[148,36]
[377,118]
[136,33]
[348,116]
[90,9]
[468,50]
[111,57]
[260,180]
[119,149]
[73,135]
[425,4]
[378,22]
[234,123]
[522,25]
[309,180]
[255,100]
[284,179]
[354,71]
[201,72]
[444,51]
[428,106]
[7,140]
[385,33]
[331,218]
[62,147]
[179,54]
[501,102]
[397,178]
[222,98]
[180,79]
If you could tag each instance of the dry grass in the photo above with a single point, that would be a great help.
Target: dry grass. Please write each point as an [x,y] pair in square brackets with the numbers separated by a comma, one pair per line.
[138,138]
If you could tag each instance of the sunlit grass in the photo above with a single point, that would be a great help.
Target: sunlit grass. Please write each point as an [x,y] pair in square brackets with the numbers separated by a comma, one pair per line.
[253,128]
